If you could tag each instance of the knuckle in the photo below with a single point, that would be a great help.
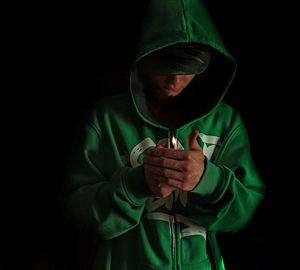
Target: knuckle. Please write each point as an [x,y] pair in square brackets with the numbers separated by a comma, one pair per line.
[160,179]
[188,155]
[188,176]
[186,168]
[162,189]
[165,172]
[163,162]
[165,194]
[184,186]
[175,184]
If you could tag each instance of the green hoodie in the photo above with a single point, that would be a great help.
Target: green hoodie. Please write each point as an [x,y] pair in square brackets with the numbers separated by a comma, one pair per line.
[105,188]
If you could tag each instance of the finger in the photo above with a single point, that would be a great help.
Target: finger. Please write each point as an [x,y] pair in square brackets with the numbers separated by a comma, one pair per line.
[164,162]
[165,190]
[166,173]
[153,183]
[166,184]
[159,187]
[169,153]
[160,146]
[192,141]
[175,183]
[155,179]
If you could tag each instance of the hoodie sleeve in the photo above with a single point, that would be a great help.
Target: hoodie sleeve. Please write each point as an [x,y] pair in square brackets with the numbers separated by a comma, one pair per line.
[109,205]
[230,189]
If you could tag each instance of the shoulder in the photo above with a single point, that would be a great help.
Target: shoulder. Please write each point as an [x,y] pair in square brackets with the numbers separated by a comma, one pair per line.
[227,111]
[226,108]
[227,114]
[110,107]
[112,102]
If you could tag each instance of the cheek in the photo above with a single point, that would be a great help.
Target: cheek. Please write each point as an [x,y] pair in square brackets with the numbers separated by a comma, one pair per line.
[158,81]
[160,84]
[188,80]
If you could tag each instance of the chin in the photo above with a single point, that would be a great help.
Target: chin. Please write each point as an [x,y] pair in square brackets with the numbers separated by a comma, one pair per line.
[172,92]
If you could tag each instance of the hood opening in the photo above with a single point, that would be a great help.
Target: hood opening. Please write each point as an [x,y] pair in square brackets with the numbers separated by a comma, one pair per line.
[199,97]
[180,58]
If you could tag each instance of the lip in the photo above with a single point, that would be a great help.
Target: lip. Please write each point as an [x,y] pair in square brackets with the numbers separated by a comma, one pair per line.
[168,88]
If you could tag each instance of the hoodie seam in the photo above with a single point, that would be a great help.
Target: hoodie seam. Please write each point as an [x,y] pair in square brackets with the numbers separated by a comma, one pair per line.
[229,139]
[185,21]
[92,126]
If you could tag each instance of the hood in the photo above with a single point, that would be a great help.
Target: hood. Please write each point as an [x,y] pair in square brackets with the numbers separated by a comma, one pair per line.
[170,23]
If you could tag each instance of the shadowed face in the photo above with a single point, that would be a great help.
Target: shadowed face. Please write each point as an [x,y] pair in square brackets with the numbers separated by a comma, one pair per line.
[170,85]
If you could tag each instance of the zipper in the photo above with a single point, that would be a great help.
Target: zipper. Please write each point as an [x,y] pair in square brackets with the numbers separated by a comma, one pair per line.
[173,241]
[172,133]
[174,229]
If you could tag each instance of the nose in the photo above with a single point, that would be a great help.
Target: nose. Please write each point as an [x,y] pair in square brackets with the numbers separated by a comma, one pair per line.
[173,78]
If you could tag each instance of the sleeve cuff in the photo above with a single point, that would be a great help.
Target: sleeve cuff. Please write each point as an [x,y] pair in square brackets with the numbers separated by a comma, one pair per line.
[211,181]
[135,185]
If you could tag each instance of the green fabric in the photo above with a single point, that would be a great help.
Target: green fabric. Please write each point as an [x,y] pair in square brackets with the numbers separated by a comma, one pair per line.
[105,189]
[211,178]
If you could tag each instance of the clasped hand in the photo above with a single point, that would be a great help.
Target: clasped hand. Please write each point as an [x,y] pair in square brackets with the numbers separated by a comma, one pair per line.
[169,169]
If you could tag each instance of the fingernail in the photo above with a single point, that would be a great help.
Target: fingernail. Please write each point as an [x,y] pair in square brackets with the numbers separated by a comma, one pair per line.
[159,146]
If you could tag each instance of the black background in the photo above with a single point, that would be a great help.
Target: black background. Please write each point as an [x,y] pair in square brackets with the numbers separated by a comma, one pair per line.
[63,57]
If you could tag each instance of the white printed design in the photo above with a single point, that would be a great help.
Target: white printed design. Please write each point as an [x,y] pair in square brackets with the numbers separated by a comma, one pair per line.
[192,228]
[153,205]
[209,144]
[138,150]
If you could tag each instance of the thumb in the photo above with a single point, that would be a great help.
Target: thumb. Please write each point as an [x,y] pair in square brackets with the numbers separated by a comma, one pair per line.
[192,141]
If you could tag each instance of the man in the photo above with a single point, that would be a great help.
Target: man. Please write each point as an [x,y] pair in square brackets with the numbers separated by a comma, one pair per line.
[151,207]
